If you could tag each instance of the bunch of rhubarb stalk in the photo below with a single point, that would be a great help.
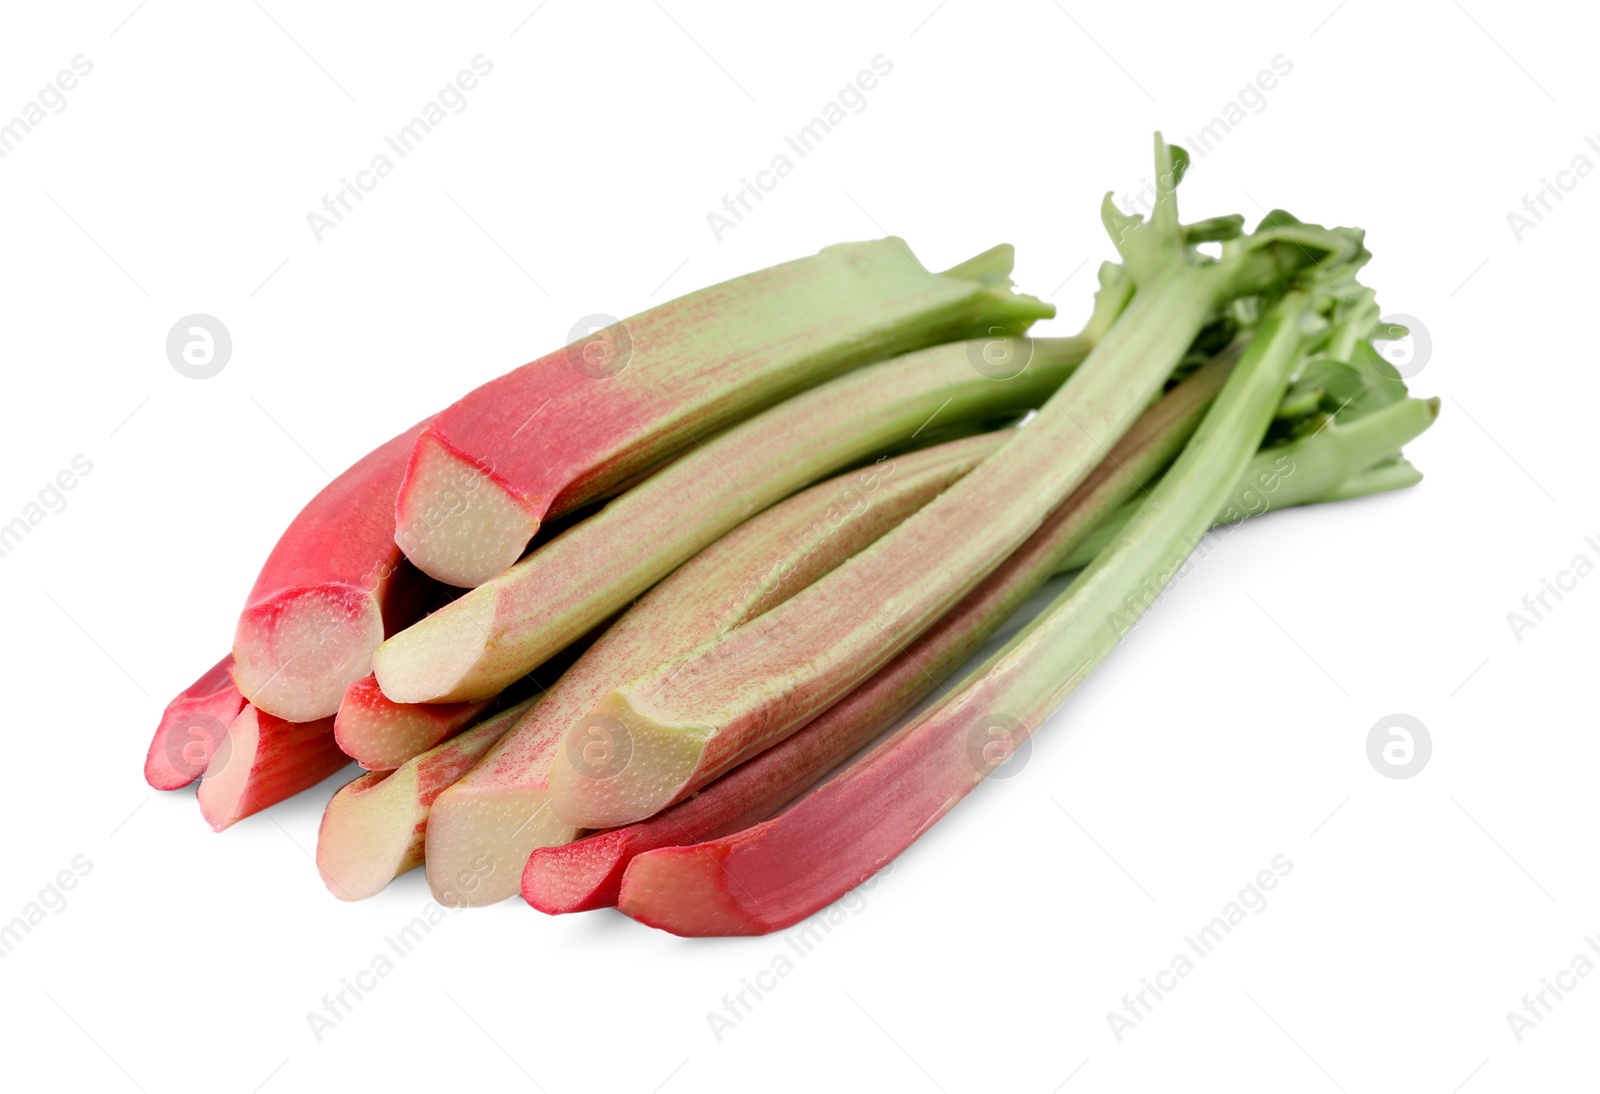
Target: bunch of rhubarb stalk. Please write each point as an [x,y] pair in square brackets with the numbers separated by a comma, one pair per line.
[639,624]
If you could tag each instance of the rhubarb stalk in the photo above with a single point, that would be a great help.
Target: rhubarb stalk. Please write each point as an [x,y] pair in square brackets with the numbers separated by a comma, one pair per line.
[1338,462]
[332,584]
[479,644]
[497,814]
[696,716]
[380,734]
[566,428]
[373,829]
[192,727]
[588,873]
[262,761]
[777,872]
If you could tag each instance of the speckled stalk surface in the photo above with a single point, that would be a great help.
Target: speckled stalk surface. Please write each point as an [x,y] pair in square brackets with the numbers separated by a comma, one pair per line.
[494,634]
[373,829]
[497,814]
[380,734]
[776,873]
[192,727]
[694,717]
[332,583]
[567,427]
[262,761]
[588,873]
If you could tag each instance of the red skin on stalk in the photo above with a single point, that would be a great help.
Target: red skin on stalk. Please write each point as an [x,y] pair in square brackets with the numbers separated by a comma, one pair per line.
[381,734]
[191,727]
[263,761]
[588,874]
[375,828]
[779,871]
[330,588]
[794,862]
[569,427]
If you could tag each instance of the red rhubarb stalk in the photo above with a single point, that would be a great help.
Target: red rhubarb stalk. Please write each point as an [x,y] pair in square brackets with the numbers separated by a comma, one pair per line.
[262,761]
[330,588]
[191,727]
[380,734]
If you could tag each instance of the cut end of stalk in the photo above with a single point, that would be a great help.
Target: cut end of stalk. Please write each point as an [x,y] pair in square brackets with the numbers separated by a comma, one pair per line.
[432,660]
[455,521]
[294,654]
[479,839]
[262,761]
[683,890]
[222,792]
[192,727]
[370,834]
[381,734]
[618,766]
[577,877]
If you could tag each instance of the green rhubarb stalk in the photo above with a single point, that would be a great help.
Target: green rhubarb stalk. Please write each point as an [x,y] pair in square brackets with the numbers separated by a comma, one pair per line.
[494,634]
[1334,464]
[588,873]
[1393,475]
[696,716]
[776,873]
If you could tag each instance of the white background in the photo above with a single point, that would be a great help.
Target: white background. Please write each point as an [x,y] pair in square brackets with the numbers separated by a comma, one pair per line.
[1231,728]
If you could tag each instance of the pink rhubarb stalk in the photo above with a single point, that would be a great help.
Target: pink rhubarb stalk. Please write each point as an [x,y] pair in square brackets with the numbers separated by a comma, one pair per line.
[191,727]
[380,734]
[262,761]
[496,814]
[373,829]
[570,426]
[329,589]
